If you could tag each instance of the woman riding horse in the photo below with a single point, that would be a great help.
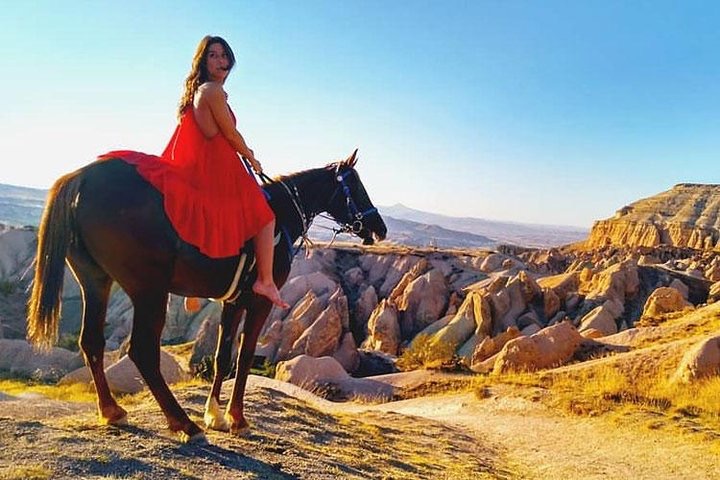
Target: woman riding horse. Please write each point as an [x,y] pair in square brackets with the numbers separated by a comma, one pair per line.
[112,222]
[211,200]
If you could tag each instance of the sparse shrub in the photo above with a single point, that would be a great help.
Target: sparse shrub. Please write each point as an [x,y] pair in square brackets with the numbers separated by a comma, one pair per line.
[424,352]
[267,369]
[69,341]
[205,368]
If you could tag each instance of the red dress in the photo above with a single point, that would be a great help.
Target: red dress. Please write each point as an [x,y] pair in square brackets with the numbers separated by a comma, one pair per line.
[209,196]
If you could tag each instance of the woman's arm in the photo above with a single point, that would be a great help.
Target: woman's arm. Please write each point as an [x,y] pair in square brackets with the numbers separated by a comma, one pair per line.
[214,95]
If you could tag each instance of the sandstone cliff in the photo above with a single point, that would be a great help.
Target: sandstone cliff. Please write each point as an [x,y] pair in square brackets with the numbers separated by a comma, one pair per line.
[687,215]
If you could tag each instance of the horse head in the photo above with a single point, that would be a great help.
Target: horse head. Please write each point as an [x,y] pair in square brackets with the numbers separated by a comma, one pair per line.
[350,204]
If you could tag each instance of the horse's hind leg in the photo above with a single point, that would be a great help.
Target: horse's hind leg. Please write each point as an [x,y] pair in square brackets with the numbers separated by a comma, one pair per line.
[95,287]
[227,334]
[256,314]
[148,320]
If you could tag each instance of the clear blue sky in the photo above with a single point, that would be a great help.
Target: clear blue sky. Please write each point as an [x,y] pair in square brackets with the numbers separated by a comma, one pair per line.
[532,111]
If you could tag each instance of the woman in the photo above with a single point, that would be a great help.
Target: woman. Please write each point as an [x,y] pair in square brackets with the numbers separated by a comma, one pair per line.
[210,198]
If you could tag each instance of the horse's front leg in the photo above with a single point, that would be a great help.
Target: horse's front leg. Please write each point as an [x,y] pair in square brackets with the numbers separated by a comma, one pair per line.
[227,333]
[257,312]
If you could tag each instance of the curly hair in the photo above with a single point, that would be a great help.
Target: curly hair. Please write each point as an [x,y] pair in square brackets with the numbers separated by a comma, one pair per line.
[198,71]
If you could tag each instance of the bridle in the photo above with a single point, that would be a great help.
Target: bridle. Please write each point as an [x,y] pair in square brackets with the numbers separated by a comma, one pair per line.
[355,226]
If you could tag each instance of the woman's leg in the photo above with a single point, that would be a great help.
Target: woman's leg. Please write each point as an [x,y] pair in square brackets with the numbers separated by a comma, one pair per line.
[264,249]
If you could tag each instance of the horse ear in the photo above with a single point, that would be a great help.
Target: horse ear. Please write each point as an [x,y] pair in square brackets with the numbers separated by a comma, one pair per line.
[352,159]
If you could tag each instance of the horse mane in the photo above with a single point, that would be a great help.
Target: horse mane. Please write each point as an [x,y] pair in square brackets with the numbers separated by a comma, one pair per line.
[334,166]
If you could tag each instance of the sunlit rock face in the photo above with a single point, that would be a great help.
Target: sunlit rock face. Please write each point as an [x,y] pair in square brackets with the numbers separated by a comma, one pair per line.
[687,215]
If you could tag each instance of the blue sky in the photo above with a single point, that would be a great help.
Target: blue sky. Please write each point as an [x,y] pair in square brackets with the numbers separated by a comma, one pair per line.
[554,112]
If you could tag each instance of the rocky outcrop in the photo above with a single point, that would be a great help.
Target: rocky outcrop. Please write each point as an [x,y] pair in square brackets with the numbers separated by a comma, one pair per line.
[326,376]
[701,361]
[18,357]
[551,347]
[688,215]
[665,300]
[383,330]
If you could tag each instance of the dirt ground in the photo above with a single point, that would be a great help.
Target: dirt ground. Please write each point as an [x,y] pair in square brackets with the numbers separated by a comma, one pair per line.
[41,438]
[299,435]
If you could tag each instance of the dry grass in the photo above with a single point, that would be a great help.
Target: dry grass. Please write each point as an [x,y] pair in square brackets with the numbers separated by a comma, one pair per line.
[69,393]
[603,388]
[23,472]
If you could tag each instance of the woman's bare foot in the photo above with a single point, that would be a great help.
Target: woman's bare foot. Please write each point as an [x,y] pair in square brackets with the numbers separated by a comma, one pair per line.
[192,304]
[271,292]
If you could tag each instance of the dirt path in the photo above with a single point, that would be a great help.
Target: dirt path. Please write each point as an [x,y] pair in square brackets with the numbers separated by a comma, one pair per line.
[292,437]
[539,443]
[299,435]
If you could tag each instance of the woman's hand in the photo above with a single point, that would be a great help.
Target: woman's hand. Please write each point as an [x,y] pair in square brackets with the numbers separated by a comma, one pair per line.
[255,164]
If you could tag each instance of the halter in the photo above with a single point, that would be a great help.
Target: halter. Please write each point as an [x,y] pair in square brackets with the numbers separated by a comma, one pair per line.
[356,215]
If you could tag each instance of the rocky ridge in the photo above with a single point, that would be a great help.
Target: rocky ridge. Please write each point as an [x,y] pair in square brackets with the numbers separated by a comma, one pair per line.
[687,215]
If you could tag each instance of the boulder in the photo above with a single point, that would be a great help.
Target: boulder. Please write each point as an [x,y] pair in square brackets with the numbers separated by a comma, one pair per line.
[315,260]
[267,345]
[551,347]
[321,338]
[434,327]
[678,285]
[383,330]
[592,333]
[603,317]
[665,300]
[617,282]
[354,277]
[490,346]
[306,371]
[17,248]
[423,302]
[701,361]
[296,288]
[300,318]
[347,353]
[18,358]
[714,293]
[713,272]
[364,306]
[124,377]
[474,317]
[326,374]
[410,275]
[509,303]
[551,303]
[492,263]
[562,285]
[531,329]
[386,273]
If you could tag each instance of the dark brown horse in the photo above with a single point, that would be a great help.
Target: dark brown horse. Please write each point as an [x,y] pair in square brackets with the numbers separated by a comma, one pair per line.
[109,224]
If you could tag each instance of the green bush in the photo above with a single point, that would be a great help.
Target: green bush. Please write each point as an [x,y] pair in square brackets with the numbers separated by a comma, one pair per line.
[424,352]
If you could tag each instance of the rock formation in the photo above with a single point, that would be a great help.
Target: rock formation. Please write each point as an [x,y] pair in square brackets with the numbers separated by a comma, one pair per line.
[687,215]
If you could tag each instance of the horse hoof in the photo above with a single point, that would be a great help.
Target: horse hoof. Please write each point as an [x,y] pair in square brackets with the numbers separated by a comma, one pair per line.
[117,421]
[216,423]
[198,438]
[240,430]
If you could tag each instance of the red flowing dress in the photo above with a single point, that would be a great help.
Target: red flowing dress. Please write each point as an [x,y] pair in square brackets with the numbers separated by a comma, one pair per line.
[210,198]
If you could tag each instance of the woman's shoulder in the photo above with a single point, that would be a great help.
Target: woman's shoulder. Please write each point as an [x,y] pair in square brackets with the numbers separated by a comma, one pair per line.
[211,90]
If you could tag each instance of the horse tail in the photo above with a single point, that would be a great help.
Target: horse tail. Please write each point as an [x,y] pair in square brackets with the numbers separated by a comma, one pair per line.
[57,230]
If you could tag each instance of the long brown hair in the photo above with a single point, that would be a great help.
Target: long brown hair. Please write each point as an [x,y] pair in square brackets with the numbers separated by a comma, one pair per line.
[198,71]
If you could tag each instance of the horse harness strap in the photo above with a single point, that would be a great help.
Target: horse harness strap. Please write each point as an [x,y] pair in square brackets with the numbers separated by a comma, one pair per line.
[241,273]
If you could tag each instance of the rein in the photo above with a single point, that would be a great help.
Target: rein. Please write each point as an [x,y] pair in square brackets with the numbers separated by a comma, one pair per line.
[306,220]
